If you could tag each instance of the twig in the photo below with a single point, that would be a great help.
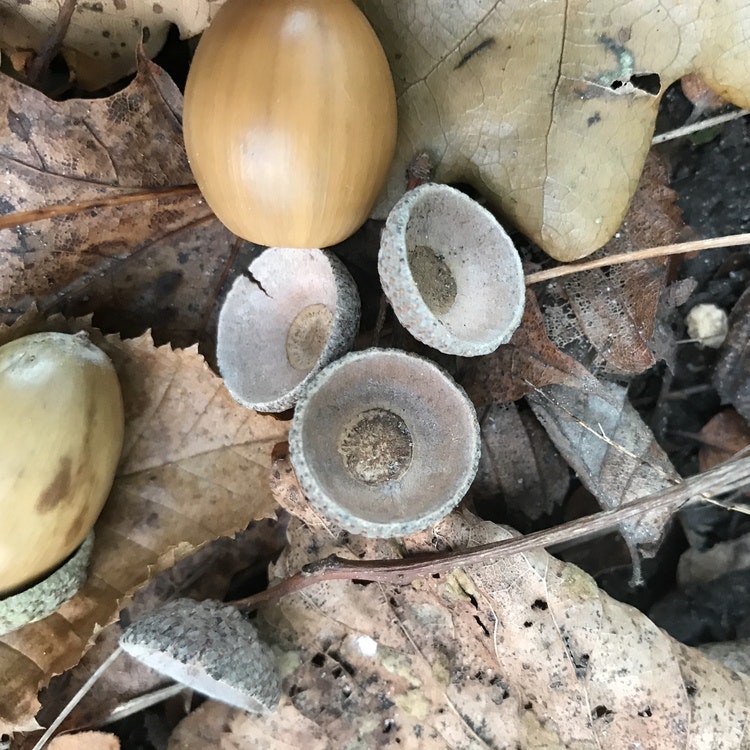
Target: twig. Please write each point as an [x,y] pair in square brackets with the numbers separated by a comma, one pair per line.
[722,479]
[731,240]
[696,127]
[52,43]
[17,218]
[142,702]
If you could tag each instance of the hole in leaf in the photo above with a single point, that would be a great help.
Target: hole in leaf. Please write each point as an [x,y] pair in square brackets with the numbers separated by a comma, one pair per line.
[540,604]
[318,660]
[648,82]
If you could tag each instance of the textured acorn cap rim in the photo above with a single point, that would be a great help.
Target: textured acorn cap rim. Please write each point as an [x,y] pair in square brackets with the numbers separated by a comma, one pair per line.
[327,507]
[42,599]
[405,297]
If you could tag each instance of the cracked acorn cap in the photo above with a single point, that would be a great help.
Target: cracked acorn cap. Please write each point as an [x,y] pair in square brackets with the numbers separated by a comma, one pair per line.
[62,422]
[384,443]
[293,313]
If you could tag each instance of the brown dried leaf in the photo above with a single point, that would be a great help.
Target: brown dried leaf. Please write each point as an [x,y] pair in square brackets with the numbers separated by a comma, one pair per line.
[615,308]
[524,652]
[194,467]
[732,373]
[548,109]
[157,262]
[527,361]
[721,437]
[521,475]
[613,452]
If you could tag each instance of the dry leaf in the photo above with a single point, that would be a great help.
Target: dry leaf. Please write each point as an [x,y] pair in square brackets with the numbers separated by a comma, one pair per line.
[613,452]
[548,109]
[102,37]
[529,360]
[194,467]
[721,437]
[613,310]
[525,652]
[732,373]
[521,475]
[158,262]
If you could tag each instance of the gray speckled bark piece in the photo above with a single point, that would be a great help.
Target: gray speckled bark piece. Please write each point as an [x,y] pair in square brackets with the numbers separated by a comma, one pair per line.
[211,648]
[41,600]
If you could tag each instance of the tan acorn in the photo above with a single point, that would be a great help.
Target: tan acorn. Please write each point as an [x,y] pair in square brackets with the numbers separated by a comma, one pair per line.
[61,434]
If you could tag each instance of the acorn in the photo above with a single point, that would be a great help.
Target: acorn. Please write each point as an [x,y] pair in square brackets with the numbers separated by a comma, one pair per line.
[290,120]
[62,429]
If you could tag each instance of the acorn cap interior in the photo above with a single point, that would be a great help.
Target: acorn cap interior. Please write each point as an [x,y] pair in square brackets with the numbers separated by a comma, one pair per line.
[384,443]
[450,271]
[292,313]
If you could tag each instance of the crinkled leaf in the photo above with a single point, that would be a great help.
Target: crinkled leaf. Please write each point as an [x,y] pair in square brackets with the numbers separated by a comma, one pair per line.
[613,452]
[606,317]
[529,360]
[156,263]
[524,652]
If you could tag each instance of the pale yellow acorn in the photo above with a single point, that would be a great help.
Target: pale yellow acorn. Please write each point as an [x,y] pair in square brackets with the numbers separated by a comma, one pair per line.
[61,434]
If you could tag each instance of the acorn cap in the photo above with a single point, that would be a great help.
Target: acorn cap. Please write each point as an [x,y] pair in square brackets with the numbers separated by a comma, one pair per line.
[43,598]
[384,443]
[211,648]
[293,313]
[450,272]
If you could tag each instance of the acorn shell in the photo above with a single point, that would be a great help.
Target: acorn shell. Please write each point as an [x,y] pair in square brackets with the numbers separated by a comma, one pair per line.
[61,433]
[290,119]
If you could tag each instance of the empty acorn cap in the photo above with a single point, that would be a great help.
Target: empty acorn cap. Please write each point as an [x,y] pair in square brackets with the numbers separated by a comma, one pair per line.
[450,272]
[43,598]
[384,443]
[211,648]
[294,312]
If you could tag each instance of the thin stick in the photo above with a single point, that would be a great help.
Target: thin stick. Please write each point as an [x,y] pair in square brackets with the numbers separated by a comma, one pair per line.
[142,702]
[17,218]
[722,479]
[695,127]
[731,240]
[52,43]
[76,699]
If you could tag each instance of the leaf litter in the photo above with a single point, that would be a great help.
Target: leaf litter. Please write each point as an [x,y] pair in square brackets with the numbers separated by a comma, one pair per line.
[534,362]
